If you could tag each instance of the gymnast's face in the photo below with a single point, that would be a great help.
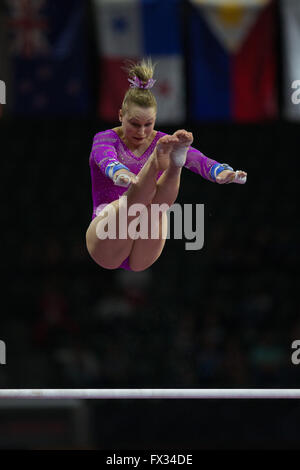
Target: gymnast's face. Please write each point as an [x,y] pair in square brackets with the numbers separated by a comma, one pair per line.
[138,125]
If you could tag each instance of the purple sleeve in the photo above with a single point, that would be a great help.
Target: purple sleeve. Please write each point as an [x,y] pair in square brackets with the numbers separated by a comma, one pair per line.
[103,152]
[199,163]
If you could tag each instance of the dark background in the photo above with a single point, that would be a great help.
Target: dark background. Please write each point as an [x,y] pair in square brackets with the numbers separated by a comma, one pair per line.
[222,317]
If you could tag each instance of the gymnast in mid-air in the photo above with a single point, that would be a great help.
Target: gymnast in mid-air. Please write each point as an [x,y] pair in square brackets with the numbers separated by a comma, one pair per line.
[143,166]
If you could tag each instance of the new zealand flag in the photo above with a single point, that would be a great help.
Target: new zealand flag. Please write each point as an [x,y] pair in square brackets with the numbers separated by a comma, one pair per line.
[47,51]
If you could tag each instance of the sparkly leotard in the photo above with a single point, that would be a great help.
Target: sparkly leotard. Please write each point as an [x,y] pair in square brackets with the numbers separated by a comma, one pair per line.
[108,147]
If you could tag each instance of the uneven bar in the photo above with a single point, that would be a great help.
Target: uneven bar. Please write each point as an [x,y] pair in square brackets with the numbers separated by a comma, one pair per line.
[148,393]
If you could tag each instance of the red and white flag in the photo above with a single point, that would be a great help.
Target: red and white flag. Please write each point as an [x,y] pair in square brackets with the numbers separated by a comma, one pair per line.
[136,29]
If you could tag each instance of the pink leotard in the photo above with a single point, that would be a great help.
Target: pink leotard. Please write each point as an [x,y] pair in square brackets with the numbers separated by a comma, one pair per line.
[108,147]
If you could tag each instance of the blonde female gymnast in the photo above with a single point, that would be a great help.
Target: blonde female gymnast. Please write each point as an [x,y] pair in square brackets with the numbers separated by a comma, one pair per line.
[137,163]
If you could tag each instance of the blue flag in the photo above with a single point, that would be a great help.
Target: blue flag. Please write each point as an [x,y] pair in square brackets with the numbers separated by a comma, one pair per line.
[48,58]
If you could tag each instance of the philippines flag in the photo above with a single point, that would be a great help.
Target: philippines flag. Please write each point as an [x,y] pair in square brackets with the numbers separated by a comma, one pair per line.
[232,63]
[136,29]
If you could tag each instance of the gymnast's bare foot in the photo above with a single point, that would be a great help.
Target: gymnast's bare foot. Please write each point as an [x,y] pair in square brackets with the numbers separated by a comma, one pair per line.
[163,150]
[179,152]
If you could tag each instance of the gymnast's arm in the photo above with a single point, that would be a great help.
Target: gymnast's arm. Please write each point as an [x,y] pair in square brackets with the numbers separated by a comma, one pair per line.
[211,170]
[105,156]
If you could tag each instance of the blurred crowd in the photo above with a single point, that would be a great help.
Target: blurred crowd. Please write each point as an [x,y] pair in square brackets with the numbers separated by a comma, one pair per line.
[223,316]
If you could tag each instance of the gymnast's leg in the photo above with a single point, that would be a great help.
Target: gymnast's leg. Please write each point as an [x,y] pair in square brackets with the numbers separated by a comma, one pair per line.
[145,252]
[110,253]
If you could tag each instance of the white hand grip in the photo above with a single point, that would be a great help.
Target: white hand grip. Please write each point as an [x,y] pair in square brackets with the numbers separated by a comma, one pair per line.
[118,181]
[239,179]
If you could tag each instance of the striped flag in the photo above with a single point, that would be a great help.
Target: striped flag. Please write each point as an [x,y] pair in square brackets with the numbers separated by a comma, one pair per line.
[136,29]
[290,11]
[232,65]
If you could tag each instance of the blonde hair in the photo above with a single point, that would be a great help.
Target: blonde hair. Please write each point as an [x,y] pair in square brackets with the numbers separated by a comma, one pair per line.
[143,70]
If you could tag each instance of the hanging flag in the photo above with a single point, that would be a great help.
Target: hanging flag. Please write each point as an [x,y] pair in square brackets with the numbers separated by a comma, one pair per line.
[290,12]
[232,62]
[136,29]
[46,47]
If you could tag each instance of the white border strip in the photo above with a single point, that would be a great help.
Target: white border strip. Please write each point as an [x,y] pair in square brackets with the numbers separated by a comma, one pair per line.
[144,393]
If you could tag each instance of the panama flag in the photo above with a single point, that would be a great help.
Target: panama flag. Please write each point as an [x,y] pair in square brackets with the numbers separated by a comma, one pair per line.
[290,10]
[136,29]
[232,66]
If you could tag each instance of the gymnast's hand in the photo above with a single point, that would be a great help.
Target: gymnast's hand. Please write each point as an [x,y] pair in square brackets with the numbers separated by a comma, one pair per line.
[124,178]
[229,176]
